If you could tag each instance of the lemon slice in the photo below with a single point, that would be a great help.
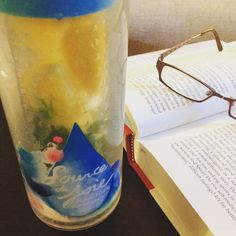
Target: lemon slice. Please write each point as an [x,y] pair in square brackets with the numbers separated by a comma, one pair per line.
[84,51]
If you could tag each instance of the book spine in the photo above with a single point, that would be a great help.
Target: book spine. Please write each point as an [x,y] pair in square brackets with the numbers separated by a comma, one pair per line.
[129,140]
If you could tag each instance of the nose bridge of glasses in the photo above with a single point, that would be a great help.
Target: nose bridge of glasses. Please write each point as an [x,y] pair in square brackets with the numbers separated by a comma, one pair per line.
[228,99]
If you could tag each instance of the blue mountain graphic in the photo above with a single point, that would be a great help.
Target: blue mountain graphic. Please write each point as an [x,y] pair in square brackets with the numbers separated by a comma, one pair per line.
[77,185]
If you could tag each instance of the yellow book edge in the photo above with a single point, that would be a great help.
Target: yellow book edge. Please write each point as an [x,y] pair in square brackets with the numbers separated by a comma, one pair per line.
[165,192]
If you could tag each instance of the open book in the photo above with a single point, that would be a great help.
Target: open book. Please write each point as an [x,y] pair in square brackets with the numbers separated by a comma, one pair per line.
[185,152]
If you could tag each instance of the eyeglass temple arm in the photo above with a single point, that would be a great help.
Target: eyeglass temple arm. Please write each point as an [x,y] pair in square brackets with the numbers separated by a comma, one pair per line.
[217,38]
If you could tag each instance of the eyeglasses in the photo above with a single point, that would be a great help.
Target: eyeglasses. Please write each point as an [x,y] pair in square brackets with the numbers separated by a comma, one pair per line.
[185,84]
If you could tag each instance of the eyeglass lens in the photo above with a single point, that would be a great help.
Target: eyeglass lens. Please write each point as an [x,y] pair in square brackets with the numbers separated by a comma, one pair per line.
[184,84]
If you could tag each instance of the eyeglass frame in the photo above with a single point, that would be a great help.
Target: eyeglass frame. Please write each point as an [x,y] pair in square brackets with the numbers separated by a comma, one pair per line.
[161,64]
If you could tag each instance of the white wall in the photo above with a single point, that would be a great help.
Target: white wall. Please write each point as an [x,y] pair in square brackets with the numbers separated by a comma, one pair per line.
[165,22]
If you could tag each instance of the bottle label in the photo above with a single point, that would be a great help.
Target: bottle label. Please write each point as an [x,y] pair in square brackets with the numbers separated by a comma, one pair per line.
[74,181]
[53,8]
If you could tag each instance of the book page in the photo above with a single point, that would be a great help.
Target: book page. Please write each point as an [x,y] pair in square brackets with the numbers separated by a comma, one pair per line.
[202,162]
[155,108]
